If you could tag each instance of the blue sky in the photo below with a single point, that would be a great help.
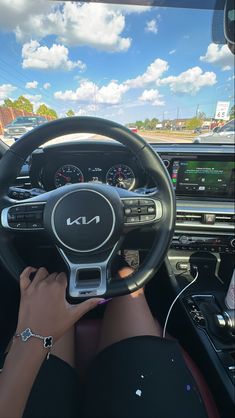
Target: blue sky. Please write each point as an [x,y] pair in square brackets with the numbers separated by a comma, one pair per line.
[122,63]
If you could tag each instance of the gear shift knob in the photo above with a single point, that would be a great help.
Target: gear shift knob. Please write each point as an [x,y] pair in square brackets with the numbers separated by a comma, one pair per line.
[226,320]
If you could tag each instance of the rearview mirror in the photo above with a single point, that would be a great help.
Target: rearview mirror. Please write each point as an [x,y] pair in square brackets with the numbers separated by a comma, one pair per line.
[229,24]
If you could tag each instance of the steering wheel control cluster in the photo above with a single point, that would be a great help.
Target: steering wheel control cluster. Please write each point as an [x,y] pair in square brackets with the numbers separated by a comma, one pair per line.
[25,216]
[141,210]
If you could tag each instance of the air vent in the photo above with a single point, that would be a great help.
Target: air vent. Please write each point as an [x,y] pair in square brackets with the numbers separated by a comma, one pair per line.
[186,217]
[225,219]
[198,219]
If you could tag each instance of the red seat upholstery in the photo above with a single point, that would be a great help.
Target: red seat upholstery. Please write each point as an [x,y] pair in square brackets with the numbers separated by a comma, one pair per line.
[87,337]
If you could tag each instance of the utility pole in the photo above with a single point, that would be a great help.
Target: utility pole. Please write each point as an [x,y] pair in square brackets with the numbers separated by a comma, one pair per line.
[177,114]
[197,109]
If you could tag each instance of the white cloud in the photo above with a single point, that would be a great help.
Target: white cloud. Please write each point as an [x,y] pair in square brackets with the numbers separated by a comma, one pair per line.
[151,75]
[173,51]
[96,25]
[31,85]
[189,81]
[219,55]
[113,92]
[227,68]
[44,58]
[89,92]
[231,78]
[151,26]
[152,96]
[6,90]
[130,8]
[21,12]
[46,86]
[99,26]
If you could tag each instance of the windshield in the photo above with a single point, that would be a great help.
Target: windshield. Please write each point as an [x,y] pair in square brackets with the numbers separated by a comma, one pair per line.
[24,121]
[156,70]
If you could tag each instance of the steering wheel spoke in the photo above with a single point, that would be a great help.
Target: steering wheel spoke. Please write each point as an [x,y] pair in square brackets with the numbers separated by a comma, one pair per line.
[23,216]
[88,276]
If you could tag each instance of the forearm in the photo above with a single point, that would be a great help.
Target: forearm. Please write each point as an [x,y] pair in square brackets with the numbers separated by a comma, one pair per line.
[17,377]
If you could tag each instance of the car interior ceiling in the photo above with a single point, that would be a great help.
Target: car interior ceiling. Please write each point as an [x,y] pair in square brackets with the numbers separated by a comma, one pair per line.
[203,243]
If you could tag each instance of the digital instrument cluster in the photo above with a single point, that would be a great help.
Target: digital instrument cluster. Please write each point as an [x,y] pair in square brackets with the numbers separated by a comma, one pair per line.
[118,175]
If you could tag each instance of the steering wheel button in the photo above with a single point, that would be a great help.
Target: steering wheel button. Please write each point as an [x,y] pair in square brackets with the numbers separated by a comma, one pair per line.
[145,218]
[151,209]
[135,211]
[20,217]
[143,210]
[34,208]
[127,211]
[17,209]
[132,219]
[130,202]
[12,217]
[34,225]
[145,202]
[18,225]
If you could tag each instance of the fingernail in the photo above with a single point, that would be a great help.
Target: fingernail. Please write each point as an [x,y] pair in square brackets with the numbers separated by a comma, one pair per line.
[104,301]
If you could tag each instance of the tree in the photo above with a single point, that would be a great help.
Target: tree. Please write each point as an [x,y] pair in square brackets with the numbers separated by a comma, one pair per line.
[23,104]
[70,113]
[8,103]
[153,123]
[139,124]
[232,112]
[146,124]
[43,110]
[193,123]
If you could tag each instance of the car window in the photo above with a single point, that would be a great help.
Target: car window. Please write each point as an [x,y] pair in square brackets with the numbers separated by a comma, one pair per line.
[229,127]
[156,70]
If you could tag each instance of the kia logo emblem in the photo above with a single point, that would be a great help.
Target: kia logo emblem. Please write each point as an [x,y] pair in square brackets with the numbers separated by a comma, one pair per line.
[82,220]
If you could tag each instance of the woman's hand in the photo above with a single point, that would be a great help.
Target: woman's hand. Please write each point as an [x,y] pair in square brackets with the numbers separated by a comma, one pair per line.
[43,306]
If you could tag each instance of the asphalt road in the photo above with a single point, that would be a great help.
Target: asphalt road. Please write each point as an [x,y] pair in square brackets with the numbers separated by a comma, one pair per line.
[158,138]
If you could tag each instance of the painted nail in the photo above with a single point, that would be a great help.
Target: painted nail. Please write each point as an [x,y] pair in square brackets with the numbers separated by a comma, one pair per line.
[104,301]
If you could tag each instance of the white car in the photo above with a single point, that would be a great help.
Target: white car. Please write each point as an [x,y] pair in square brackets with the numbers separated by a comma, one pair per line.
[223,135]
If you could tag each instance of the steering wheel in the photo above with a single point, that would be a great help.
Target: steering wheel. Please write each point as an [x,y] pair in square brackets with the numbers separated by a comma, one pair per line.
[87,222]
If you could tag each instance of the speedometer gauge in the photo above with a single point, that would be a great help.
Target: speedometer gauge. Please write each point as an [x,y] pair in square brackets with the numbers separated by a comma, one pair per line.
[68,174]
[121,175]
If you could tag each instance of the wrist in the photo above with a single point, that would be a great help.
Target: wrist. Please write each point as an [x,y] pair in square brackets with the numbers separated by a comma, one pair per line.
[30,350]
[27,339]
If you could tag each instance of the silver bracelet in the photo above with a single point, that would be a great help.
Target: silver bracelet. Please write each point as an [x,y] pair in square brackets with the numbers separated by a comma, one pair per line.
[27,333]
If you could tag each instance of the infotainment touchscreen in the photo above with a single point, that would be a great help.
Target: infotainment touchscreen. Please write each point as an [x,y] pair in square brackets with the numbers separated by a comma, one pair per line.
[203,178]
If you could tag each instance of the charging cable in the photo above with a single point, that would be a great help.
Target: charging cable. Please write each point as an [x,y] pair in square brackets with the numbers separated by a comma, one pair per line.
[177,297]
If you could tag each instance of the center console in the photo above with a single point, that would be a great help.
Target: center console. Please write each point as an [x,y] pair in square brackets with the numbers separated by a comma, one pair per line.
[204,237]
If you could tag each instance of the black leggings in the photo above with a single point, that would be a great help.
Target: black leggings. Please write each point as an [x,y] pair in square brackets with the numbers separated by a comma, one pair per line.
[141,377]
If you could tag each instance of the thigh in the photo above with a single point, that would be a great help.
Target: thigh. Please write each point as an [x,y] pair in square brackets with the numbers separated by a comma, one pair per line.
[55,393]
[141,377]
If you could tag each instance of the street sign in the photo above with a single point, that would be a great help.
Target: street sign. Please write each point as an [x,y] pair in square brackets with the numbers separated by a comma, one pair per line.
[222,110]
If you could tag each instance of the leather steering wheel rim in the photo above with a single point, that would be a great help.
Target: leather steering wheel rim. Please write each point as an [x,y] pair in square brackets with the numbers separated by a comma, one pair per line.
[11,163]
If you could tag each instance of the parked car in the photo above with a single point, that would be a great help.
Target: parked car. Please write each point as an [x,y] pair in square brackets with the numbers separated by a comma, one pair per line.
[21,125]
[224,134]
[133,129]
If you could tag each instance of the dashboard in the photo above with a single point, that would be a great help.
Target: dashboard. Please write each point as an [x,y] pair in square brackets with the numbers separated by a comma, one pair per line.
[194,176]
[202,177]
